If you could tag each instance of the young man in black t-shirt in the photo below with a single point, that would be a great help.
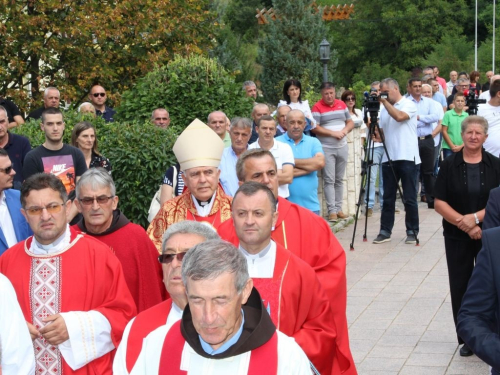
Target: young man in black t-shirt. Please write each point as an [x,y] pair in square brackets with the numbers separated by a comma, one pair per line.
[55,157]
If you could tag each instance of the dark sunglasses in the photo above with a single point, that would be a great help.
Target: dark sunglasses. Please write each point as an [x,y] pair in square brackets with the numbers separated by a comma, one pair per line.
[103,94]
[168,258]
[102,199]
[6,170]
[350,98]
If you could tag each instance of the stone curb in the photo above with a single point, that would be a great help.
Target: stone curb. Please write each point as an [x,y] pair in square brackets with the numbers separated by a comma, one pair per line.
[341,224]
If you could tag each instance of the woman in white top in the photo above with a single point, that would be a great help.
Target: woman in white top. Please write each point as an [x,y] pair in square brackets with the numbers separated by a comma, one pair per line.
[292,92]
[349,98]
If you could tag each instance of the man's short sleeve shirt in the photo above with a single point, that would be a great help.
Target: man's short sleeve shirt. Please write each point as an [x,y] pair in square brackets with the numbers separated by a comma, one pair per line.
[332,117]
[492,114]
[304,189]
[401,137]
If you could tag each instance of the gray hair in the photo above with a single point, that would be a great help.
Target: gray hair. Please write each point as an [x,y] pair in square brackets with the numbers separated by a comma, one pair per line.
[375,83]
[479,120]
[96,178]
[85,104]
[158,109]
[248,83]
[208,260]
[46,92]
[188,227]
[391,82]
[241,122]
[2,108]
[211,113]
[462,80]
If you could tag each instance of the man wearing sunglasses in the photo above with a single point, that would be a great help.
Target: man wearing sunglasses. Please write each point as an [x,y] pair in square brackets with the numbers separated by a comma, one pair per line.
[177,240]
[97,97]
[96,200]
[13,225]
[70,286]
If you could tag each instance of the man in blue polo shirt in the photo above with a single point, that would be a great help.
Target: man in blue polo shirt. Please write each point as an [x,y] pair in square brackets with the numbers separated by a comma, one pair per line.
[309,158]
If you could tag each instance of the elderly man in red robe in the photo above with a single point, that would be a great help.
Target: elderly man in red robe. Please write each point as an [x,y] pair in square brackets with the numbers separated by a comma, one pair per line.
[198,151]
[70,286]
[97,201]
[177,240]
[304,234]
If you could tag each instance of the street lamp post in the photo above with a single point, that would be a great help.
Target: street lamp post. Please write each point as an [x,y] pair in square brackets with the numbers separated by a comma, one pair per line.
[324,56]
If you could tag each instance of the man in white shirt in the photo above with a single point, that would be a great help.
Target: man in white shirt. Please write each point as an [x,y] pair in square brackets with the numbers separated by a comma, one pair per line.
[452,82]
[283,154]
[177,240]
[491,112]
[398,123]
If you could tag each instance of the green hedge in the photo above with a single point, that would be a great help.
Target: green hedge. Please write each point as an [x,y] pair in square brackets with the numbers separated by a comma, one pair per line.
[188,88]
[139,153]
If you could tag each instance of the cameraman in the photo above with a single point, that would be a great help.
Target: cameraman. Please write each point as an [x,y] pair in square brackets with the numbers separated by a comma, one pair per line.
[491,112]
[398,124]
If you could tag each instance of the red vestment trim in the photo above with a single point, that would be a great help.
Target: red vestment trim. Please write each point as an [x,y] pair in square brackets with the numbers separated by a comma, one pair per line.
[145,323]
[263,360]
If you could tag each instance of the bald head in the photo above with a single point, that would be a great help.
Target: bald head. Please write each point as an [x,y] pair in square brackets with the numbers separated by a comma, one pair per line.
[217,122]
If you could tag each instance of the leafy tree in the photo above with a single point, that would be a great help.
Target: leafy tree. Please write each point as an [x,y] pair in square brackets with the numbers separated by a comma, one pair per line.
[71,44]
[188,88]
[452,53]
[289,48]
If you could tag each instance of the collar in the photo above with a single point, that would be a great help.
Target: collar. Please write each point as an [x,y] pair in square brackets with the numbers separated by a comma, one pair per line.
[58,245]
[260,254]
[291,140]
[203,209]
[233,340]
[459,158]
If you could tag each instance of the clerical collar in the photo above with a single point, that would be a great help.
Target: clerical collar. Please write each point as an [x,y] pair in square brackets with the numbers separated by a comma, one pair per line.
[176,308]
[233,340]
[204,208]
[261,254]
[58,245]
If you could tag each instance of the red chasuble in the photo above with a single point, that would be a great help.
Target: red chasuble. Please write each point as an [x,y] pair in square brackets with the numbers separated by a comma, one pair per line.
[263,360]
[309,237]
[182,208]
[145,323]
[139,260]
[85,277]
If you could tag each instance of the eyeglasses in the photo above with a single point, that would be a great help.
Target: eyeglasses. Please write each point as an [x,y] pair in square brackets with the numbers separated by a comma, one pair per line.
[52,208]
[102,199]
[350,98]
[161,118]
[96,94]
[7,170]
[463,85]
[168,258]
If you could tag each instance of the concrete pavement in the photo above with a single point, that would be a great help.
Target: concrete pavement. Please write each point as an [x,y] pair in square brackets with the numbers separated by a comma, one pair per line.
[398,302]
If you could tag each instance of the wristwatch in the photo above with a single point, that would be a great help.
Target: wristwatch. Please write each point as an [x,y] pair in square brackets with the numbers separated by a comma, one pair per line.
[475,217]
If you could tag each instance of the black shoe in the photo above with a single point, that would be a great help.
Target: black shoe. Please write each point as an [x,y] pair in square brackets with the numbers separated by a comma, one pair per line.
[381,239]
[423,198]
[411,239]
[465,351]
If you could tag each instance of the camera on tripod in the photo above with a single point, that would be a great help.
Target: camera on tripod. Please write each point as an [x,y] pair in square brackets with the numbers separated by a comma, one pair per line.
[472,101]
[371,103]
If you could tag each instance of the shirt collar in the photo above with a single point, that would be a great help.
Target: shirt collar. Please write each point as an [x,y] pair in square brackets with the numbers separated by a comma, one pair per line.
[233,340]
[261,254]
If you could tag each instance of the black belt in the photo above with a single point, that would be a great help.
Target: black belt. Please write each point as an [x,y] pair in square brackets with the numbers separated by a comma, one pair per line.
[425,137]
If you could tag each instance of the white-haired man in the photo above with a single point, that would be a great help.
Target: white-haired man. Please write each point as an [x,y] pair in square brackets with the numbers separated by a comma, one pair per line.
[51,99]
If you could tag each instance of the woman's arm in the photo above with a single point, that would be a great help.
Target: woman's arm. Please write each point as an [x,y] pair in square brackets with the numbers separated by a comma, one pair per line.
[446,137]
[446,211]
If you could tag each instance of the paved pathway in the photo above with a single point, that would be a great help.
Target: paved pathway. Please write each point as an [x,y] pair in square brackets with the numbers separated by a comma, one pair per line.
[398,302]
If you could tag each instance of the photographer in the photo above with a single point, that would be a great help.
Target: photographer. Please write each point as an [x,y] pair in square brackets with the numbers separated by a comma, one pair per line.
[491,112]
[398,123]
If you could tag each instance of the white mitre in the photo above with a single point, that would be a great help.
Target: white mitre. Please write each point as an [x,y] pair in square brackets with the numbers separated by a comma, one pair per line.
[198,146]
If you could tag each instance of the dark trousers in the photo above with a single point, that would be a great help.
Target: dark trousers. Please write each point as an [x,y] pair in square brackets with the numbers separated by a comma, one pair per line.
[427,156]
[406,172]
[460,257]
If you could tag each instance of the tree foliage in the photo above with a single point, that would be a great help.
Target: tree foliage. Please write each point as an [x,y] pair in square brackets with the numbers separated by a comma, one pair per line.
[290,46]
[71,44]
[188,88]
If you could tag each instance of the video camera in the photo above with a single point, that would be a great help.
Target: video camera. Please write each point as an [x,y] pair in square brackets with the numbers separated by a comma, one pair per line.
[371,103]
[472,101]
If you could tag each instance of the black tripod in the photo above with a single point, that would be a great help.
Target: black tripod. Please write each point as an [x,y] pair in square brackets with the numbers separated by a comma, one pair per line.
[366,173]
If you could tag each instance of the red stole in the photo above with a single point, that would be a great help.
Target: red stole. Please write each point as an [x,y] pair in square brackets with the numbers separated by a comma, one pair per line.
[270,288]
[143,325]
[263,360]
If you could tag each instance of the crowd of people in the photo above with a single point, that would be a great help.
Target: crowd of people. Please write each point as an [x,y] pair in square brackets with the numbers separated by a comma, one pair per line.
[237,261]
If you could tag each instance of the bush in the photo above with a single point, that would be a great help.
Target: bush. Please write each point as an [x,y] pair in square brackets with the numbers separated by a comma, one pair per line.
[139,153]
[188,88]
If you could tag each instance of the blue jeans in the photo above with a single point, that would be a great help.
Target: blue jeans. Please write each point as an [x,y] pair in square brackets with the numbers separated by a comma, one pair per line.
[446,152]
[406,172]
[378,153]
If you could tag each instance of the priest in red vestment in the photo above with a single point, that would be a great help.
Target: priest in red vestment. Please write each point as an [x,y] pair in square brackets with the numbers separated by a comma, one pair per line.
[198,151]
[70,287]
[289,287]
[96,200]
[177,240]
[306,235]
